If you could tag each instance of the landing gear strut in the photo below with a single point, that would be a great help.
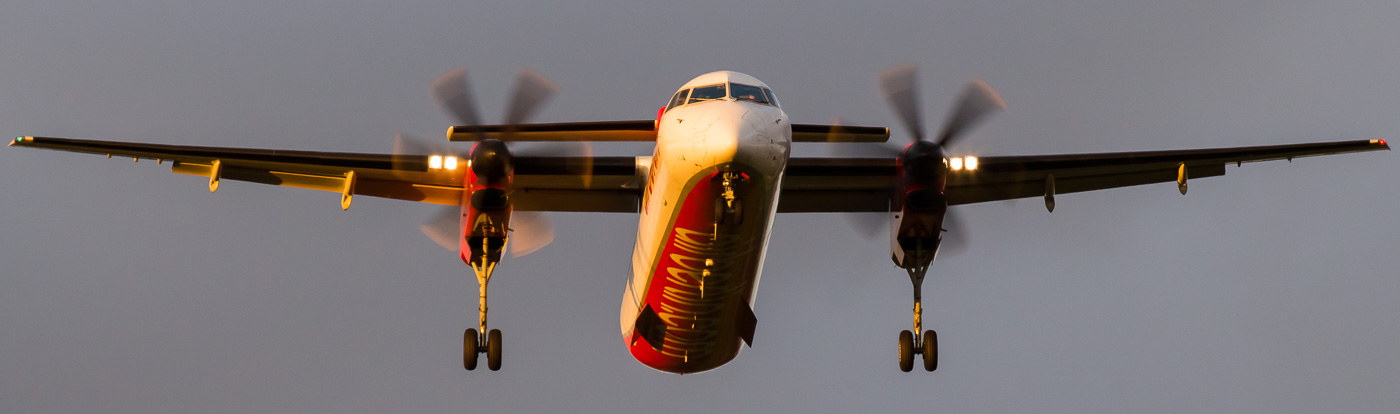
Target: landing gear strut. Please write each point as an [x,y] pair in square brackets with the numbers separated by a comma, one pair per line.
[729,208]
[911,343]
[480,340]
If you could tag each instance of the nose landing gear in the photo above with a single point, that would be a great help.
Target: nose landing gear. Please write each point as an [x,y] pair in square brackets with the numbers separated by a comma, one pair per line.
[729,208]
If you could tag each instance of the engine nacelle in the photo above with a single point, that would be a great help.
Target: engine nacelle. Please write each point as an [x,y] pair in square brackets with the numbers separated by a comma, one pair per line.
[491,163]
[486,206]
[919,204]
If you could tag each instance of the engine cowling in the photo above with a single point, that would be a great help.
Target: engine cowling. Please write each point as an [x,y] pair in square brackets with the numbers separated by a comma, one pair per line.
[486,205]
[919,204]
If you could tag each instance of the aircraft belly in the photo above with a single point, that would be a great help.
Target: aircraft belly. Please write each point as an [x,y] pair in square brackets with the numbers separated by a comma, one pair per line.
[699,275]
[703,278]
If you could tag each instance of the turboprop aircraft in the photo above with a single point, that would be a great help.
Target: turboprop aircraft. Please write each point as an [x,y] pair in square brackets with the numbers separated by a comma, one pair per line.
[705,198]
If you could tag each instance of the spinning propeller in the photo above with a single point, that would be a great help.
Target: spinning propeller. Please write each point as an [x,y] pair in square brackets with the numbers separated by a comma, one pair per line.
[899,85]
[529,230]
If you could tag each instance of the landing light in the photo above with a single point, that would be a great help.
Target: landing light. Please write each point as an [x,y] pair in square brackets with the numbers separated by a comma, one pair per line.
[970,162]
[450,163]
[956,163]
[435,162]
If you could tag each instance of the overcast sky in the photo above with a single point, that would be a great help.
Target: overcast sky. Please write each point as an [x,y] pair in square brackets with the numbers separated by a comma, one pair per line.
[127,289]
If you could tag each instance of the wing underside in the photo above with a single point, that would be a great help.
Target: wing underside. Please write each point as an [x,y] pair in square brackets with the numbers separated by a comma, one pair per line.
[541,183]
[866,184]
[614,184]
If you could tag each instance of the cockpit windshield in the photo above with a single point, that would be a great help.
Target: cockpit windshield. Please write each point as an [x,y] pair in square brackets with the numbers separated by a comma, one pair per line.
[707,93]
[772,99]
[679,99]
[722,91]
[744,92]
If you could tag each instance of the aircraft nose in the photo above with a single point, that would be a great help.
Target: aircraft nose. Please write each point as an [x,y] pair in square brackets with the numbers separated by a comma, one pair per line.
[725,132]
[738,131]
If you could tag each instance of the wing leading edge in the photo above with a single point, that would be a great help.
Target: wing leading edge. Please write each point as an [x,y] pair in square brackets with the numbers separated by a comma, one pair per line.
[541,183]
[615,183]
[866,184]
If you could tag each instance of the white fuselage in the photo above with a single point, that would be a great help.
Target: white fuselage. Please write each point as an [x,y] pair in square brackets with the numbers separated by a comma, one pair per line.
[692,266]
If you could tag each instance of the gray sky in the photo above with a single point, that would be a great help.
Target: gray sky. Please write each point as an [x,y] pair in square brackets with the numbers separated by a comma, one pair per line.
[128,289]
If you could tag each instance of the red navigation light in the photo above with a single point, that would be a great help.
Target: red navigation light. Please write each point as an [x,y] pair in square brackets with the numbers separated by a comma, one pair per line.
[1382,143]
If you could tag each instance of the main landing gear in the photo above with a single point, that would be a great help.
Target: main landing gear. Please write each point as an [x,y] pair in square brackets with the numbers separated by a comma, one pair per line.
[911,343]
[479,341]
[472,348]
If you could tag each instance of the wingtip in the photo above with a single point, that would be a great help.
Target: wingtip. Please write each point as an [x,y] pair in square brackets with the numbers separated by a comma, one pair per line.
[1381,143]
[20,140]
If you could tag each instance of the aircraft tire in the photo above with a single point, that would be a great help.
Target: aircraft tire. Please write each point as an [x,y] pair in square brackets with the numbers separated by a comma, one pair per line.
[493,350]
[930,350]
[738,211]
[719,210]
[469,349]
[906,351]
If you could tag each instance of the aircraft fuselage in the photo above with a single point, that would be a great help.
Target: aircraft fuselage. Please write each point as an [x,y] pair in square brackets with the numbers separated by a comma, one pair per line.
[707,210]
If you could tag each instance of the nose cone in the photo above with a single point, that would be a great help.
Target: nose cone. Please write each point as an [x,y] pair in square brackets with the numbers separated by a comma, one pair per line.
[724,132]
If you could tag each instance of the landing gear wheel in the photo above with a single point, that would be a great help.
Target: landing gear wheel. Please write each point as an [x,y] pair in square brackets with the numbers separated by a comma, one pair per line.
[719,210]
[930,350]
[906,351]
[724,213]
[493,350]
[738,211]
[469,349]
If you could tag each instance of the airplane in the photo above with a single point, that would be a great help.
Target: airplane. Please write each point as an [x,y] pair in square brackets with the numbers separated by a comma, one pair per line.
[706,197]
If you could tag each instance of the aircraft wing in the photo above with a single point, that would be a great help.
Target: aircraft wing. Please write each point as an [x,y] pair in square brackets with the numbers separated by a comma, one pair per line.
[541,183]
[615,184]
[866,184]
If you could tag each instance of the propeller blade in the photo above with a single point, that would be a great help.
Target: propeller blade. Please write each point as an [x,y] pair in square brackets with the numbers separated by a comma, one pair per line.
[411,152]
[411,147]
[955,238]
[453,93]
[857,149]
[901,88]
[977,101]
[407,145]
[862,150]
[579,154]
[530,230]
[445,227]
[407,152]
[869,225]
[532,89]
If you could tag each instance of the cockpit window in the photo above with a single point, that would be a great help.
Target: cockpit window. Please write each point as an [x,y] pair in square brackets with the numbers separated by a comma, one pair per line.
[744,92]
[679,99]
[720,91]
[707,93]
